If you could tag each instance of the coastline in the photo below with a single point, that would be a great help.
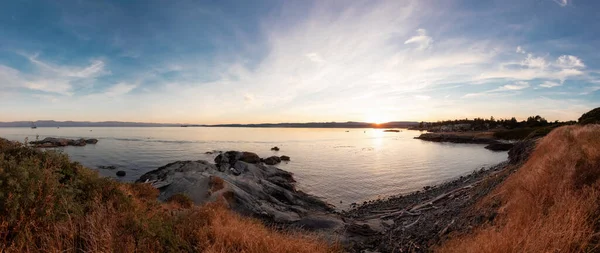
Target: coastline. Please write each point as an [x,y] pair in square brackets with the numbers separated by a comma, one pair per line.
[472,137]
[417,221]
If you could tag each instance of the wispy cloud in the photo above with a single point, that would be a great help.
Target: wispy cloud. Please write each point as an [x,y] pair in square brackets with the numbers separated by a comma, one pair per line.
[52,78]
[96,68]
[9,77]
[516,86]
[562,3]
[421,39]
[550,84]
[119,89]
[520,85]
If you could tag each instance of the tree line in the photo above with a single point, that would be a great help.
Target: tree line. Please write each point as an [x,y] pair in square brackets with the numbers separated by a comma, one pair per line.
[491,123]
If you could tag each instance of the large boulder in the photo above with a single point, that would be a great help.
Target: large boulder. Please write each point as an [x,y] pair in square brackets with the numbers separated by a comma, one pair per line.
[229,158]
[78,142]
[91,141]
[273,160]
[257,190]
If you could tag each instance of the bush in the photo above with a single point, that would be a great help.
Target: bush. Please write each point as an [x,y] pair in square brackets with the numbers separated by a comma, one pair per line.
[591,117]
[514,134]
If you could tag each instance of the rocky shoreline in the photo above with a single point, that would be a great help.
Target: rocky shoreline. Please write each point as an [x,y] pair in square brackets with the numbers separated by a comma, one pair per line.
[415,222]
[52,142]
[421,220]
[467,137]
[249,186]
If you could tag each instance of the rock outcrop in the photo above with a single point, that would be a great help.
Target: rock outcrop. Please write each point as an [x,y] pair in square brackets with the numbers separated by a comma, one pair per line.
[254,189]
[499,146]
[521,151]
[51,142]
[273,160]
[231,157]
[454,138]
[91,141]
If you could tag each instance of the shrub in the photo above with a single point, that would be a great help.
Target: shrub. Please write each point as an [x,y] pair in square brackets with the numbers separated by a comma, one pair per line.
[591,117]
[514,134]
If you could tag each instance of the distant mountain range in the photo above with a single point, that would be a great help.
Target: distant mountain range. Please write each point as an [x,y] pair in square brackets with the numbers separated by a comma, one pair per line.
[52,123]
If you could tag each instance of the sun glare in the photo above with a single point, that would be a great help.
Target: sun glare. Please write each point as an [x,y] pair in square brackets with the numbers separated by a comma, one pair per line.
[376,119]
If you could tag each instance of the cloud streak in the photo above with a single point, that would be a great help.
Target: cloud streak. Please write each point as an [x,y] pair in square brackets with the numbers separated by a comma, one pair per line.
[421,39]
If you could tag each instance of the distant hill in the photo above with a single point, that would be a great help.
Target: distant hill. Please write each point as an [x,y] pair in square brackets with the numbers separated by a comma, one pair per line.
[52,123]
[350,124]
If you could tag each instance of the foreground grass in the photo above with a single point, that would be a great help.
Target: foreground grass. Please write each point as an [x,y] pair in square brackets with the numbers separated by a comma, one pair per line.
[50,204]
[551,204]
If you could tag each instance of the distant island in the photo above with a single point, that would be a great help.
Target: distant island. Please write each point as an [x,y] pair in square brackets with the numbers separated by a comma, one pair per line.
[350,124]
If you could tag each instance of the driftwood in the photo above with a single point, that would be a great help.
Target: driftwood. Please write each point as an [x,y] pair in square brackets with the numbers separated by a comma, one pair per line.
[396,214]
[384,211]
[443,231]
[412,224]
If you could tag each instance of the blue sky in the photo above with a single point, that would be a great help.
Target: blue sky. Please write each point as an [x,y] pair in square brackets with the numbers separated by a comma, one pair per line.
[298,61]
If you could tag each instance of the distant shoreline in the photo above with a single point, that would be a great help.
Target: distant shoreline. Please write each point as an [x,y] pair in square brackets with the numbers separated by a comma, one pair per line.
[340,127]
[398,124]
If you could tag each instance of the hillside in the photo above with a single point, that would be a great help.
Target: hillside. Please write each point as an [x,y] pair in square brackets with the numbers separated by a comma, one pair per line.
[550,204]
[50,204]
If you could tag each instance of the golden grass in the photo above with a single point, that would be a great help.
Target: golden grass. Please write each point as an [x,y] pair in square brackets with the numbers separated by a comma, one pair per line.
[551,204]
[49,204]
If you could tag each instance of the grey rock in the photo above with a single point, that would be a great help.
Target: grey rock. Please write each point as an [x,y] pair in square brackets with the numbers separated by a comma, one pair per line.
[51,142]
[284,158]
[272,160]
[91,141]
[121,173]
[260,191]
[231,157]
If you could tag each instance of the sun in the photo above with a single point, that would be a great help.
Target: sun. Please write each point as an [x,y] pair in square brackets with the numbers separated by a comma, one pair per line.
[376,118]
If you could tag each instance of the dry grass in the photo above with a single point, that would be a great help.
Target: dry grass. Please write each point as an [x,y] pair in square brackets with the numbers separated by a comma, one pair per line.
[551,204]
[216,183]
[49,204]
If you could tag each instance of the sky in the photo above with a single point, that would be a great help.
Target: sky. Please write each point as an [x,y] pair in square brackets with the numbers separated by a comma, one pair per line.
[210,62]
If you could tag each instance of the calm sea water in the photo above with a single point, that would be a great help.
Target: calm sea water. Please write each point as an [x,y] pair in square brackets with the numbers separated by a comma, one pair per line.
[348,165]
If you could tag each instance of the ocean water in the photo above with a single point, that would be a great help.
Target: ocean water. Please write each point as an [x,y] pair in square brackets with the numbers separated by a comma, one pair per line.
[342,166]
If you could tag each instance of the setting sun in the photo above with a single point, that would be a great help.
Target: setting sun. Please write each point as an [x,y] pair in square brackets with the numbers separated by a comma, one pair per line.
[377,118]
